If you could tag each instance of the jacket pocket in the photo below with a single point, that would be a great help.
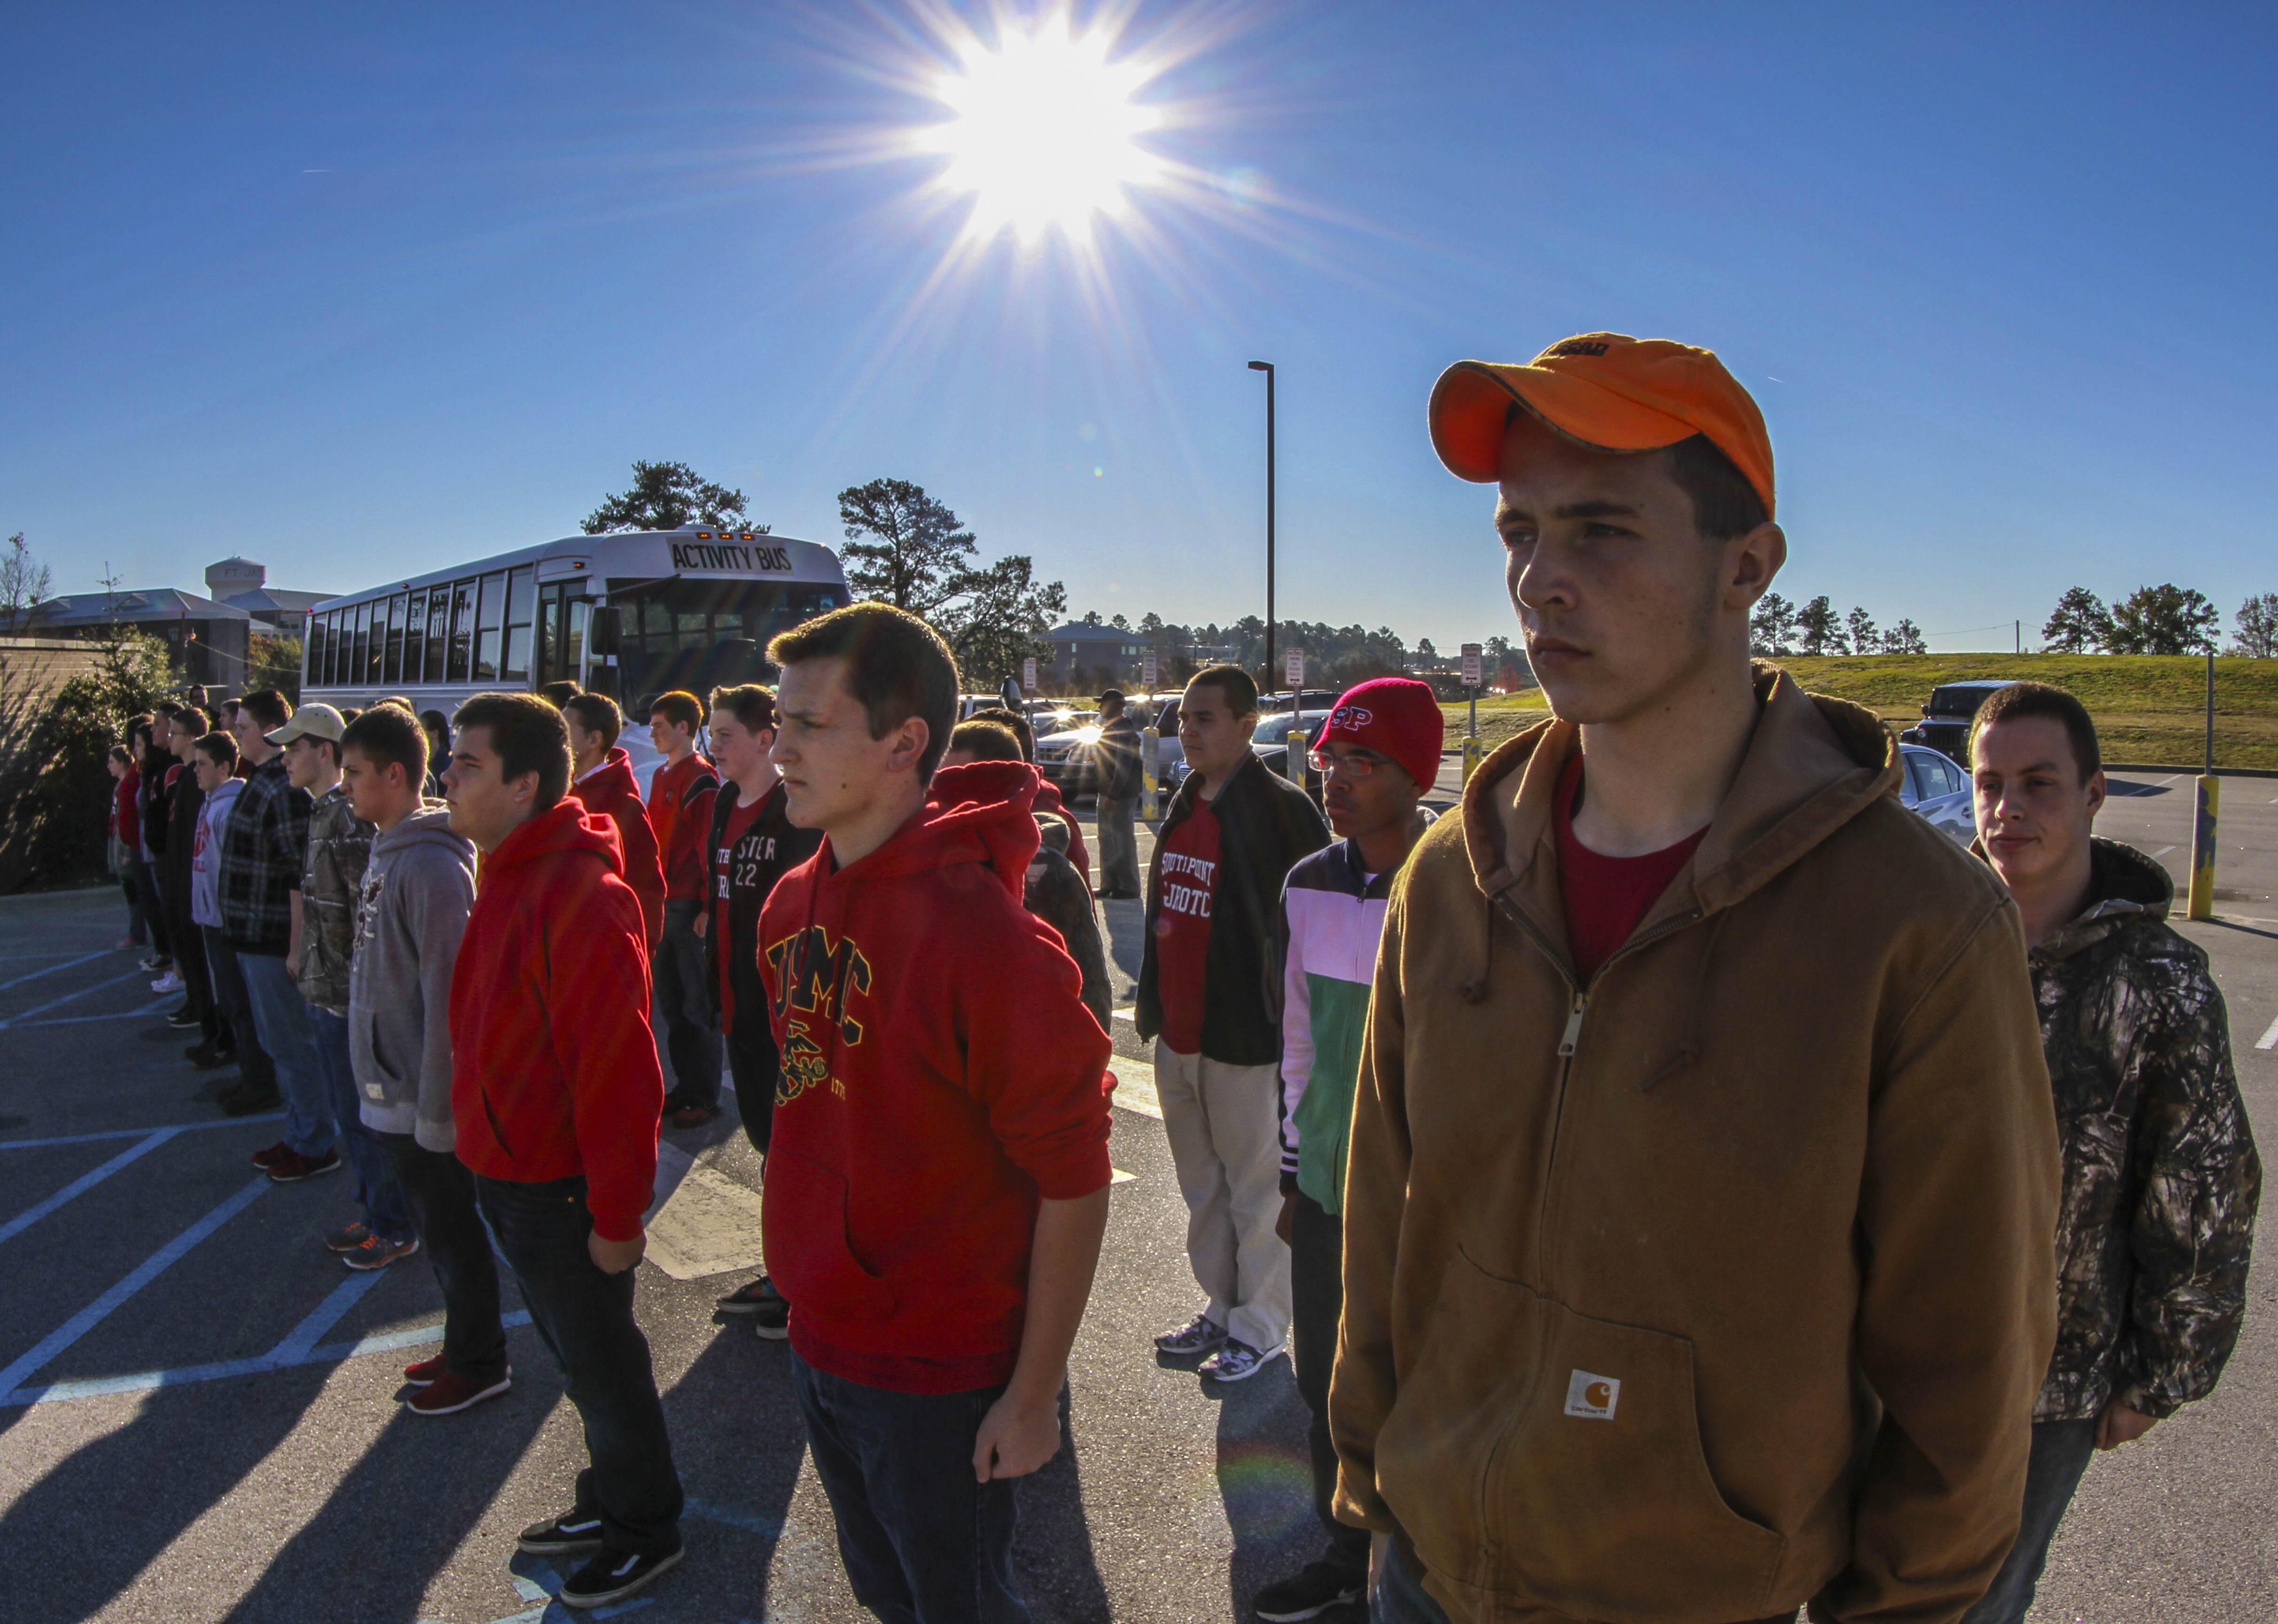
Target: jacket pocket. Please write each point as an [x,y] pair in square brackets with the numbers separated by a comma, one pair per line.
[378,1079]
[1560,1459]
[803,1217]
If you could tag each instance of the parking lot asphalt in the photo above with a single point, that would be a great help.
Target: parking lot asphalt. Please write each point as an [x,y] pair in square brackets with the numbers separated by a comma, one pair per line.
[199,1415]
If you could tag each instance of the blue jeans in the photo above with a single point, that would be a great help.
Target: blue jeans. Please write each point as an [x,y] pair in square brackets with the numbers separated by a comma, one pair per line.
[2061,1452]
[280,1015]
[1400,1597]
[923,1544]
[233,1007]
[384,1212]
[586,1319]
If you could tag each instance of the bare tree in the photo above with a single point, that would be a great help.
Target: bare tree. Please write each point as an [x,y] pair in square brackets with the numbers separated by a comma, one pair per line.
[24,582]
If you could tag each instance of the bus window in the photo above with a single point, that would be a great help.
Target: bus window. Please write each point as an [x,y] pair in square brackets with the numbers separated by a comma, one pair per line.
[546,664]
[359,632]
[516,666]
[391,665]
[580,614]
[463,630]
[414,636]
[489,618]
[439,630]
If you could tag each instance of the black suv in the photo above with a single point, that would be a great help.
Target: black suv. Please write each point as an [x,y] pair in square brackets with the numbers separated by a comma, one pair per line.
[1944,726]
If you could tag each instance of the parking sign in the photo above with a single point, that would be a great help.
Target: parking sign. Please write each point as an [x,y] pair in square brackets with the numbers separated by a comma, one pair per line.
[1029,674]
[1293,668]
[1147,671]
[1471,665]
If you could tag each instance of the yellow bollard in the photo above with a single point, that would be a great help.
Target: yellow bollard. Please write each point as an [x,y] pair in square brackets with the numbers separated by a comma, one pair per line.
[2210,799]
[1474,752]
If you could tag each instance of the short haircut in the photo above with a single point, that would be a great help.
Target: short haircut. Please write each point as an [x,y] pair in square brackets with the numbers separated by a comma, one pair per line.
[165,708]
[751,704]
[986,741]
[559,694]
[403,699]
[1239,688]
[267,706]
[680,708]
[596,713]
[390,735]
[2020,699]
[221,748]
[193,721]
[1020,726]
[897,668]
[350,713]
[1724,504]
[527,735]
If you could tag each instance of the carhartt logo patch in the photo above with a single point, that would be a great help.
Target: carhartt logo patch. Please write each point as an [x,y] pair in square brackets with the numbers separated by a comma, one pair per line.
[1592,1397]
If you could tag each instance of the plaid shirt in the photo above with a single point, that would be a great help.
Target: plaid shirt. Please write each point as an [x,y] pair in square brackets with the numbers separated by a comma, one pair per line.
[262,848]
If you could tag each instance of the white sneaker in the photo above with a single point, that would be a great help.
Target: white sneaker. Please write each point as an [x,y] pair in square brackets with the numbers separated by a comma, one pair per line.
[170,982]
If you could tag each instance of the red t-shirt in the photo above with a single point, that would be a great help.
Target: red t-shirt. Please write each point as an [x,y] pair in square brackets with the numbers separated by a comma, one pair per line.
[1182,927]
[1606,897]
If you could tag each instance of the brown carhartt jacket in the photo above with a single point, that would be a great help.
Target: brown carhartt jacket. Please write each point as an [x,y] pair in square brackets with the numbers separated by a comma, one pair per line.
[1727,1282]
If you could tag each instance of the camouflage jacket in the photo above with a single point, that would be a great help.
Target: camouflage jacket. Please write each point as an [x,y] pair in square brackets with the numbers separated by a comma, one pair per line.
[332,877]
[2160,1177]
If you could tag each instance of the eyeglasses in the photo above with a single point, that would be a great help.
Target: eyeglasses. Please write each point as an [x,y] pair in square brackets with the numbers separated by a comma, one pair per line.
[1354,766]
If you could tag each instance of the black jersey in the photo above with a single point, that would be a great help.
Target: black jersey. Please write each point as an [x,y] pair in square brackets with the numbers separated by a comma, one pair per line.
[751,848]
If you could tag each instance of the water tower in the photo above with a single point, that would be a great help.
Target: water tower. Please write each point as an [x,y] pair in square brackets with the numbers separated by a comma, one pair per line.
[232,576]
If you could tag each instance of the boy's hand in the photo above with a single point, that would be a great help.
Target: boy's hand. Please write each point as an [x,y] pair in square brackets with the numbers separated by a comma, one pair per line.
[1016,1437]
[615,1257]
[703,922]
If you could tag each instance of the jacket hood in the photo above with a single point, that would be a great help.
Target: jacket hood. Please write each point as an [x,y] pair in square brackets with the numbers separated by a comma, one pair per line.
[221,798]
[977,813]
[431,825]
[1048,796]
[614,775]
[565,826]
[2124,887]
[1812,765]
[1053,832]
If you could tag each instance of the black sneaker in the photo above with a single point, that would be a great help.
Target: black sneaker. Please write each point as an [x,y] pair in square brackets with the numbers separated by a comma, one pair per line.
[245,1101]
[183,1020]
[772,1319]
[1312,1593]
[575,1529]
[611,1577]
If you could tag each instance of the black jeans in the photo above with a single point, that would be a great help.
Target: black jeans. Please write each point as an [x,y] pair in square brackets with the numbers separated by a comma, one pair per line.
[189,954]
[2061,1454]
[586,1319]
[440,1192]
[1317,1300]
[683,1008]
[923,1544]
[234,1010]
[754,1064]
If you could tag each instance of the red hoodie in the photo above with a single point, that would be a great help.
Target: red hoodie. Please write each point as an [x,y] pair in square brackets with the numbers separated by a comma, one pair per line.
[928,1098]
[554,1069]
[613,791]
[1048,800]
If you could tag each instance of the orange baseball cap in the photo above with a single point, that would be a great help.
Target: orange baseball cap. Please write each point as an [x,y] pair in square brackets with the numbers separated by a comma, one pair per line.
[1605,390]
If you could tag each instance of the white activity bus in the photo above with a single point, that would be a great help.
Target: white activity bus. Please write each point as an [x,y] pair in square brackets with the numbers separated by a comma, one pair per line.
[631,615]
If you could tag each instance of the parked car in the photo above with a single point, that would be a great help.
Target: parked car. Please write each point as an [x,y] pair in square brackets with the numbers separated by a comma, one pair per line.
[1938,792]
[1271,741]
[1944,726]
[1066,756]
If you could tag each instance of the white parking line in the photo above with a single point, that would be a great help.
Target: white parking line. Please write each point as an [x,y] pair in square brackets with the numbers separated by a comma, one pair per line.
[52,968]
[31,1215]
[17,1019]
[129,1133]
[2163,852]
[116,1014]
[88,1318]
[2269,1039]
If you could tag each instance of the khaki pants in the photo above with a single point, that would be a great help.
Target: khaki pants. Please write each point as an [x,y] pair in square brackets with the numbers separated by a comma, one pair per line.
[1226,1145]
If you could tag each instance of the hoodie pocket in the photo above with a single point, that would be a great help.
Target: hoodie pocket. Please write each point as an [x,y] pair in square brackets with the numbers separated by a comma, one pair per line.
[1541,1454]
[803,1216]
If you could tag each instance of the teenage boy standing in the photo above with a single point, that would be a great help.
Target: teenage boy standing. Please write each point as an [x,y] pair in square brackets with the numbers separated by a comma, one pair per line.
[1703,1174]
[1122,775]
[183,801]
[411,911]
[939,1185]
[262,848]
[2161,1179]
[1380,750]
[1206,997]
[554,1096]
[324,931]
[603,782]
[752,843]
[214,762]
[679,809]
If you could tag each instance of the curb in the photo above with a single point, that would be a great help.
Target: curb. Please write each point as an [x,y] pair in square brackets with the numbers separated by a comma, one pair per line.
[2219,772]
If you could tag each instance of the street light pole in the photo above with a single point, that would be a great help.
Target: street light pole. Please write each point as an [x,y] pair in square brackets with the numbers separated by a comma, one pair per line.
[1271,672]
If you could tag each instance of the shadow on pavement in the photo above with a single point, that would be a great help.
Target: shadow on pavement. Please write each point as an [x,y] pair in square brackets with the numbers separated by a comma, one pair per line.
[1266,1479]
[101,1516]
[1052,1555]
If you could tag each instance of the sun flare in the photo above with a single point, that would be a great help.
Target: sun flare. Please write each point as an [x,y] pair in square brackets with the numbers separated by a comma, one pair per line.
[1045,135]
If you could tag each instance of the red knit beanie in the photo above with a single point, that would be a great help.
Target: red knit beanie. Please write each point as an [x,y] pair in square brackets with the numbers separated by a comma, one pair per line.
[1396,716]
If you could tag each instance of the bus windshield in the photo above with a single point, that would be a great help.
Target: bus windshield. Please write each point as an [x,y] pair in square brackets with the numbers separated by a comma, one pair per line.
[703,634]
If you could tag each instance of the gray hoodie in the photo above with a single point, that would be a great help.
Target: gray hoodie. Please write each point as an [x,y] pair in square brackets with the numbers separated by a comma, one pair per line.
[411,911]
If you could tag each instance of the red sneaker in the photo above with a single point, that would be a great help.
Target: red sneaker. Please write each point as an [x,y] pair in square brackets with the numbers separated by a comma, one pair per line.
[424,1373]
[293,1167]
[269,1158]
[449,1393]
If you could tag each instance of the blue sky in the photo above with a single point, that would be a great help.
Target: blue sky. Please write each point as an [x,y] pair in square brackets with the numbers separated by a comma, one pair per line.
[358,290]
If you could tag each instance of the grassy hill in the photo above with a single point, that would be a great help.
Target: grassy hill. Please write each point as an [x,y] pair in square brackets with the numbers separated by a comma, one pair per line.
[2148,708]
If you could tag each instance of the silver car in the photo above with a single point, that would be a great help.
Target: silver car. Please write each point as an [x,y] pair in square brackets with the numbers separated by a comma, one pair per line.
[1938,792]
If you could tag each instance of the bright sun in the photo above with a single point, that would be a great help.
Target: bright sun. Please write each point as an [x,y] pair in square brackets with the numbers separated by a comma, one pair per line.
[1045,132]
